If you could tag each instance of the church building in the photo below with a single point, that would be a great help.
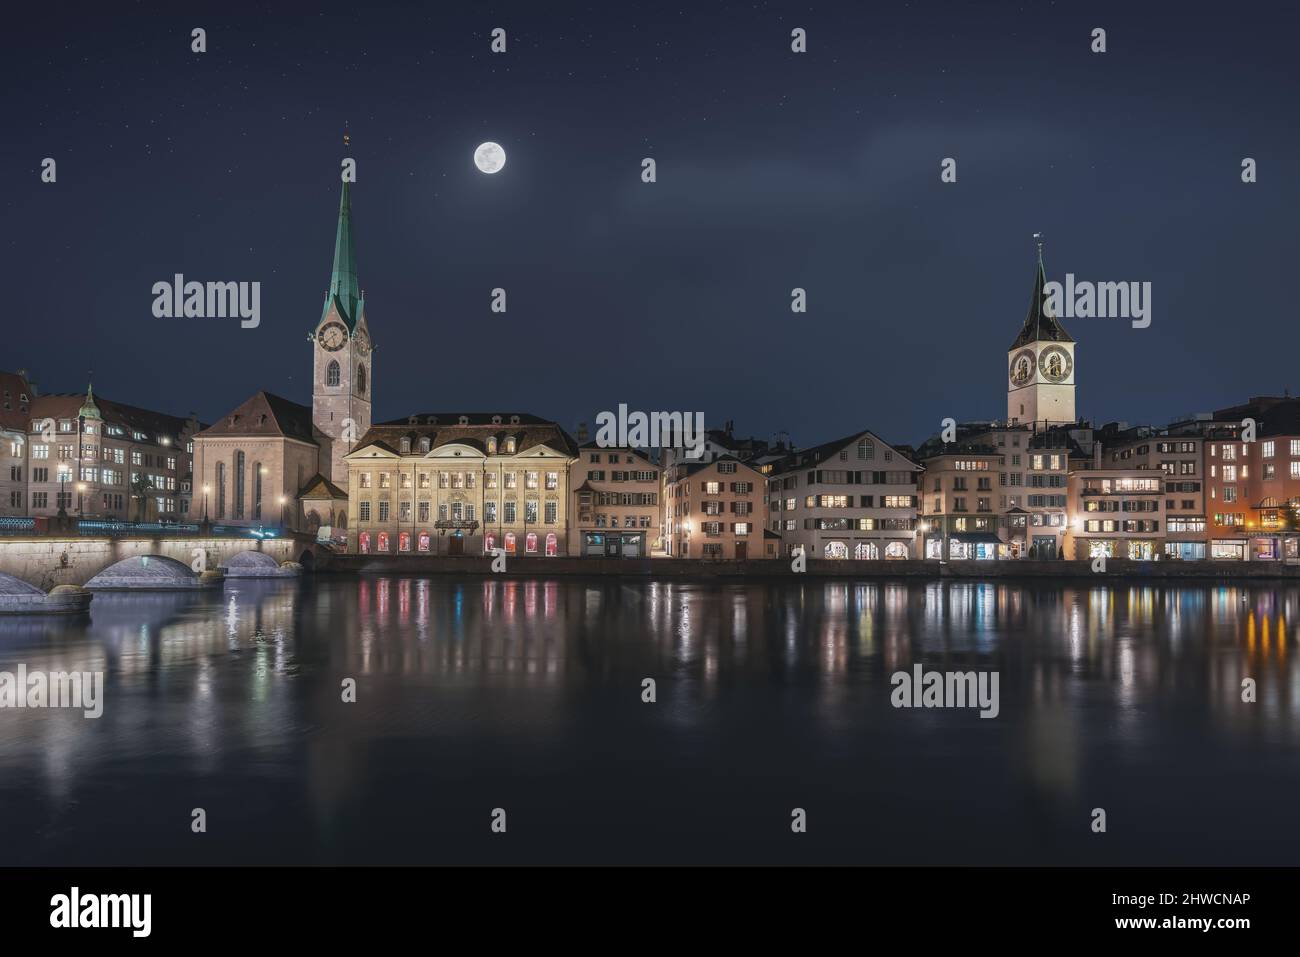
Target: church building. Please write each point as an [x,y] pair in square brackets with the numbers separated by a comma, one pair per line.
[275,462]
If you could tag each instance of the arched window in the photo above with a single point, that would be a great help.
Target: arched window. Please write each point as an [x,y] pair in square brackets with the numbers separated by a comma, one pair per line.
[510,445]
[424,444]
[221,490]
[239,485]
[257,491]
[866,551]
[361,380]
[332,374]
[896,550]
[837,550]
[492,445]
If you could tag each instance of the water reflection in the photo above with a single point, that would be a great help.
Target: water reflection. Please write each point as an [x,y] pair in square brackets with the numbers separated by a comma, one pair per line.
[238,695]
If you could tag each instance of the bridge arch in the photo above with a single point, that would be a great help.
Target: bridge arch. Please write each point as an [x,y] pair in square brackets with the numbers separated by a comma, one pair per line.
[146,572]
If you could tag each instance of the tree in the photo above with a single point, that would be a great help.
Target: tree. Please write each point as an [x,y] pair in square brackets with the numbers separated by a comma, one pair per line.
[142,488]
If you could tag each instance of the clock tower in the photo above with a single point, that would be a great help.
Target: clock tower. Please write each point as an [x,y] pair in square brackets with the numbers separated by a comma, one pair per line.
[342,366]
[1040,365]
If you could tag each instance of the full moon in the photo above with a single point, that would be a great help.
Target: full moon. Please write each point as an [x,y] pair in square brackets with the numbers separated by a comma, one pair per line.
[489,157]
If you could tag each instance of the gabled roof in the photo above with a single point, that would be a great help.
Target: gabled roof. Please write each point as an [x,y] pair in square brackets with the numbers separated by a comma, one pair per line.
[688,468]
[318,487]
[1041,324]
[265,414]
[818,454]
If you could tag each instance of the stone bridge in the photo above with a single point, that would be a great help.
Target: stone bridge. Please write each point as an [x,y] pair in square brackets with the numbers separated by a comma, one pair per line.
[46,561]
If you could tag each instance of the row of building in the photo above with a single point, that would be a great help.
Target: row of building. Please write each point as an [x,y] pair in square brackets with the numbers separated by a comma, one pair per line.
[1038,484]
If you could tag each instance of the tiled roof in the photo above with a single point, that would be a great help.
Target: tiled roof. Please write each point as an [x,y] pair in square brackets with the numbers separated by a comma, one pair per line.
[688,468]
[318,486]
[265,414]
[803,458]
[444,428]
[130,417]
[14,412]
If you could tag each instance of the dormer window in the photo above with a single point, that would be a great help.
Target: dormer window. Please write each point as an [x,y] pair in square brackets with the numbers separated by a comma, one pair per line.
[431,419]
[413,420]
[406,445]
[496,420]
[514,420]
[424,444]
[492,445]
[464,420]
[510,445]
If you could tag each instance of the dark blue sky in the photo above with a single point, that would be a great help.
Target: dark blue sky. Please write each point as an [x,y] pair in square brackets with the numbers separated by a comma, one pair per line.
[775,170]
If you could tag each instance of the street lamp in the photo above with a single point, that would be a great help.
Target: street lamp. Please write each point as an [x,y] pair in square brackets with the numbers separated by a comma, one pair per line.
[205,504]
[283,521]
[81,497]
[64,475]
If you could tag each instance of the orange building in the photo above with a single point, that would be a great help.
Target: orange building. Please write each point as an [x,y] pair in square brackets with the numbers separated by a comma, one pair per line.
[717,510]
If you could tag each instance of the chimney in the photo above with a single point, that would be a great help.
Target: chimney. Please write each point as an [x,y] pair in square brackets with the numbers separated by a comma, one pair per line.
[582,432]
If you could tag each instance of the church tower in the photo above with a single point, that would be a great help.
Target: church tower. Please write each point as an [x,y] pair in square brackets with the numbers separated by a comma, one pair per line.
[342,357]
[1040,364]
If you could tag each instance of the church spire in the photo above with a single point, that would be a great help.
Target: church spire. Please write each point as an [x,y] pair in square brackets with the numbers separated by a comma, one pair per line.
[1041,324]
[89,409]
[345,290]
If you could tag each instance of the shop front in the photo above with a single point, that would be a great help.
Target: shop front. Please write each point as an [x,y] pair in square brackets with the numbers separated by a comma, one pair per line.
[1185,551]
[973,546]
[612,544]
[1228,549]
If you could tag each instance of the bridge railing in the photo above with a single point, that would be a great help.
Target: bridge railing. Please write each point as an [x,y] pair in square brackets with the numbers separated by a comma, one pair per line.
[11,525]
[16,526]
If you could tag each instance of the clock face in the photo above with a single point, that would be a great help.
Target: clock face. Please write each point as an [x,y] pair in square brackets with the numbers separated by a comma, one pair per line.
[1022,366]
[333,337]
[1055,364]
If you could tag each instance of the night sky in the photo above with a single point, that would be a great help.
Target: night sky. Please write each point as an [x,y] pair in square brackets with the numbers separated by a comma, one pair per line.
[775,170]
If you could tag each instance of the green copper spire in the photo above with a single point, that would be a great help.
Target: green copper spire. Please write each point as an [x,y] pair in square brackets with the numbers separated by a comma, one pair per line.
[345,290]
[88,408]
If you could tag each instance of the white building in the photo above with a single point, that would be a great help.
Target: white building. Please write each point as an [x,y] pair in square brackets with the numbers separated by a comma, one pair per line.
[854,497]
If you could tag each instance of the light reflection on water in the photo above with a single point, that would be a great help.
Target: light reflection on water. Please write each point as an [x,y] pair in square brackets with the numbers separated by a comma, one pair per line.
[769,696]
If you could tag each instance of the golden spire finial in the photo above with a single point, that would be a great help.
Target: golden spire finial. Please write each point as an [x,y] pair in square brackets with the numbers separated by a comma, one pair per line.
[347,140]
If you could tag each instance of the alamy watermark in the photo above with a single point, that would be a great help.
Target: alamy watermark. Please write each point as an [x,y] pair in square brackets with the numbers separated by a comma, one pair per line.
[56,689]
[129,911]
[946,689]
[208,300]
[1099,300]
[642,430]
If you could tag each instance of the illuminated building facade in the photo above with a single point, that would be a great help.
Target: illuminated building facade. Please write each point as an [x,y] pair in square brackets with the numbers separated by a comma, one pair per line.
[616,509]
[461,484]
[852,498]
